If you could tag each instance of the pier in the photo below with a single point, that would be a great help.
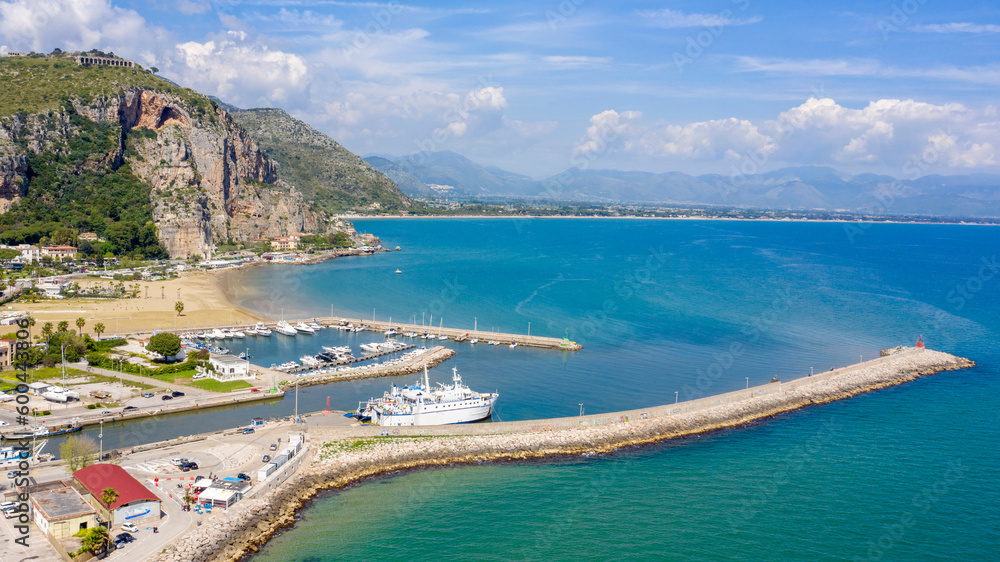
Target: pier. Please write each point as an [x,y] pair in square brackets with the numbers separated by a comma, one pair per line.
[372,452]
[328,364]
[430,358]
[455,334]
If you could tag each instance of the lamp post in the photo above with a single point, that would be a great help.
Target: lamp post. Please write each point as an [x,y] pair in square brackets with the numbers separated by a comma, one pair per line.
[748,382]
[529,329]
[101,437]
[676,396]
[581,409]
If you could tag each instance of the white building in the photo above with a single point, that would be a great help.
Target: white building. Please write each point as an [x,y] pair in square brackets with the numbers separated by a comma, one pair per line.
[229,367]
[53,288]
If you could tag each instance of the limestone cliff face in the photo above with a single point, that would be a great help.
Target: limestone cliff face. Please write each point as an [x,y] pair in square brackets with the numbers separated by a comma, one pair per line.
[210,181]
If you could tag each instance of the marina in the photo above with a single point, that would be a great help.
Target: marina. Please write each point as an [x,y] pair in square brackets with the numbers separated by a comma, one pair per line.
[309,326]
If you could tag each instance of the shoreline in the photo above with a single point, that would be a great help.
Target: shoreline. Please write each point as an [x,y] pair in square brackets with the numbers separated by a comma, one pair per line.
[249,525]
[685,218]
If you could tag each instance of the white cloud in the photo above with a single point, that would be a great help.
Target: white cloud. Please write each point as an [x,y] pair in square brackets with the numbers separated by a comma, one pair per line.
[241,71]
[74,25]
[958,27]
[672,19]
[887,135]
[192,7]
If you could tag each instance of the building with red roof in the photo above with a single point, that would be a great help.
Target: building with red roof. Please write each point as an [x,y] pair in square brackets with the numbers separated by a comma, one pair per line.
[135,502]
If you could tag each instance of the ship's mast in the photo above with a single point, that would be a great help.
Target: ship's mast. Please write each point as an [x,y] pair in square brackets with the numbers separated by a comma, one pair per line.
[427,384]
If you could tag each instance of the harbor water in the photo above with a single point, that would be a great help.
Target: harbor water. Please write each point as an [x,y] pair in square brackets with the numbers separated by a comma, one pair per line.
[672,310]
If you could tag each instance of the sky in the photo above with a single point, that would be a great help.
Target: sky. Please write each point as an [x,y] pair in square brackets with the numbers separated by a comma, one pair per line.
[902,87]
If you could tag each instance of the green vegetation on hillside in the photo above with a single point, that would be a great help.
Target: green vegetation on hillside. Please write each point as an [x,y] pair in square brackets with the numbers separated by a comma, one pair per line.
[332,177]
[40,83]
[76,188]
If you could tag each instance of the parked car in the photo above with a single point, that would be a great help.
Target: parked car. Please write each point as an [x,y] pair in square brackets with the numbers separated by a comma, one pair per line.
[185,468]
[247,430]
[273,447]
[243,476]
[12,474]
[147,395]
[191,465]
[106,412]
[267,458]
[130,528]
[176,393]
[177,461]
[129,408]
[166,397]
[7,505]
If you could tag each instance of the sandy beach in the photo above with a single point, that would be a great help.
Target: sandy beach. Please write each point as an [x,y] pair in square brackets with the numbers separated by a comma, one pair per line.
[202,292]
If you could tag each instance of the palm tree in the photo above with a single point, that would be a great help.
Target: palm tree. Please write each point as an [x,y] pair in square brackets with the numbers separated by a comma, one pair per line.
[80,323]
[47,331]
[99,329]
[179,307]
[64,326]
[108,497]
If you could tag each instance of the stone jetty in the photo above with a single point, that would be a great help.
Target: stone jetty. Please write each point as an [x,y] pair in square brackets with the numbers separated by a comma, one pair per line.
[431,358]
[344,455]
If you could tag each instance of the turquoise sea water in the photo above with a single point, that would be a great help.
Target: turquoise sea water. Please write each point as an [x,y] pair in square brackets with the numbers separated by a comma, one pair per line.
[692,307]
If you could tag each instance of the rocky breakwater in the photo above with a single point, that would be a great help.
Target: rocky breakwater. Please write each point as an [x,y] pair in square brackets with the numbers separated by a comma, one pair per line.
[346,455]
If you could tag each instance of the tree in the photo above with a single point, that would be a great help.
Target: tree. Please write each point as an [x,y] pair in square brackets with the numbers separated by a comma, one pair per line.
[94,539]
[64,326]
[165,343]
[78,452]
[47,331]
[108,497]
[179,307]
[80,323]
[7,254]
[99,329]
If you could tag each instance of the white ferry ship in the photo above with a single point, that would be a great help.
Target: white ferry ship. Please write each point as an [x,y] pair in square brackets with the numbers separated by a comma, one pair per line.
[419,404]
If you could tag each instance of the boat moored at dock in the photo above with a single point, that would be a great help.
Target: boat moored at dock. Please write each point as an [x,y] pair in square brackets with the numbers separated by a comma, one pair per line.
[419,404]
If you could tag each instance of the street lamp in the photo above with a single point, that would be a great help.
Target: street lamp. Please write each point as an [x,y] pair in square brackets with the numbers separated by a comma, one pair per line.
[101,437]
[676,396]
[529,329]
[748,382]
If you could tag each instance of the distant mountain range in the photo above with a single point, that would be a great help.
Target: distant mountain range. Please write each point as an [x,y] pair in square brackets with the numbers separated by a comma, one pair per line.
[798,188]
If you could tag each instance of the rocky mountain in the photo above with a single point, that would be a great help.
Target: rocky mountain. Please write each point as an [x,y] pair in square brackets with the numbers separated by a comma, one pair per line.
[449,173]
[208,181]
[331,177]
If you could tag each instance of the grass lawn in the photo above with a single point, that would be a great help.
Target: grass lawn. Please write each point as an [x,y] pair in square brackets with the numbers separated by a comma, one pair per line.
[216,386]
[171,377]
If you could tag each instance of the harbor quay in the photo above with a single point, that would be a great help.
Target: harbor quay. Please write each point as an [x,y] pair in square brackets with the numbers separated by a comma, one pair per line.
[433,332]
[344,454]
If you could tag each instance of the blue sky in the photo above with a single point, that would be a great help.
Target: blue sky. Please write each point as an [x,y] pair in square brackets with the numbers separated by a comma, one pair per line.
[905,88]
